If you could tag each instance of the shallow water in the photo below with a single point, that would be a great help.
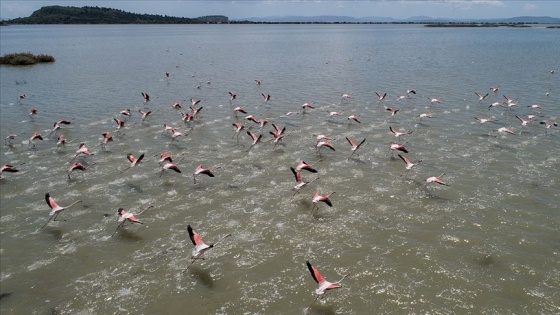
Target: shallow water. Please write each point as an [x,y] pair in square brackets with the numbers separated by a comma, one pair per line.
[485,244]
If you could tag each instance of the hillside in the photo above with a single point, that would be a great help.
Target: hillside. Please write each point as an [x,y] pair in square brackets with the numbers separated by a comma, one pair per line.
[97,15]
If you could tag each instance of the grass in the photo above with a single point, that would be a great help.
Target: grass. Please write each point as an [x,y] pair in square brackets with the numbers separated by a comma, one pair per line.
[24,59]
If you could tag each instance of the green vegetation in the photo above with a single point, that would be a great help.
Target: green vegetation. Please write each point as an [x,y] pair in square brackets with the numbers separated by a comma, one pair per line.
[97,15]
[24,59]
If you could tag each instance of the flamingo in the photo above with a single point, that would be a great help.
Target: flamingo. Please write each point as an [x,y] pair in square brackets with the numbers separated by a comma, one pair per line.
[425,115]
[481,97]
[321,144]
[106,139]
[402,97]
[300,183]
[123,216]
[125,112]
[144,114]
[355,146]
[133,161]
[187,117]
[165,158]
[7,168]
[435,100]
[200,170]
[494,89]
[199,246]
[55,208]
[380,96]
[318,198]
[484,120]
[354,118]
[410,91]
[175,135]
[34,136]
[396,146]
[548,125]
[61,142]
[82,149]
[398,133]
[266,97]
[239,109]
[258,82]
[256,139]
[346,95]
[196,111]
[535,106]
[523,121]
[238,128]
[324,285]
[146,97]
[33,112]
[251,118]
[495,104]
[434,179]
[169,166]
[194,102]
[177,105]
[331,114]
[505,130]
[304,166]
[305,106]
[393,111]
[409,164]
[120,124]
[232,96]
[75,166]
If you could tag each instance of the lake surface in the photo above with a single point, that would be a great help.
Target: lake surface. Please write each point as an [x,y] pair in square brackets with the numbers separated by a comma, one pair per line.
[489,243]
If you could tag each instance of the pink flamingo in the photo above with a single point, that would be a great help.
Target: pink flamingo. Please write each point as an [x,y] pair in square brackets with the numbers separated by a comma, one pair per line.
[355,146]
[133,161]
[35,136]
[318,198]
[300,183]
[302,165]
[398,133]
[324,285]
[200,170]
[123,216]
[409,164]
[256,139]
[434,179]
[354,118]
[55,208]
[199,246]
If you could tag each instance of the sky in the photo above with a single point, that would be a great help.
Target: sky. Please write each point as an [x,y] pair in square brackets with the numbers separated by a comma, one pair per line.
[240,9]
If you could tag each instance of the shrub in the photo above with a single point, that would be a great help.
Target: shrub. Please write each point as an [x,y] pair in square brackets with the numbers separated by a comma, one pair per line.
[23,59]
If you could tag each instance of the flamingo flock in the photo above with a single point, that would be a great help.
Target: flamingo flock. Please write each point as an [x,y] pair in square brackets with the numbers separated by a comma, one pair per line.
[254,141]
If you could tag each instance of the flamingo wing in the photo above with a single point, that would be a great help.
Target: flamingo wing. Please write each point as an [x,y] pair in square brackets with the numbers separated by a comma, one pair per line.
[195,237]
[315,273]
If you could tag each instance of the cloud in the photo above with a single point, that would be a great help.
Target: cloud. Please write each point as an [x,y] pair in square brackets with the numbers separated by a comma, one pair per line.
[470,4]
[529,7]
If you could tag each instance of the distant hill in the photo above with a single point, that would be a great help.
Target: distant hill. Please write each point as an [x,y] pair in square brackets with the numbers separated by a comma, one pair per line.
[97,15]
[414,19]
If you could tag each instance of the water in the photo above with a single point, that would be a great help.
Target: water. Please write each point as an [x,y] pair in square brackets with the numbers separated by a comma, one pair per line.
[486,244]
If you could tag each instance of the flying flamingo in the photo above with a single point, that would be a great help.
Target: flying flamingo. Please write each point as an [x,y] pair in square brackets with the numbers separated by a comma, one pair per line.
[324,285]
[33,112]
[256,139]
[238,128]
[106,139]
[240,110]
[133,161]
[82,149]
[199,246]
[232,96]
[120,125]
[435,100]
[425,115]
[481,97]
[196,111]
[251,118]
[434,179]
[409,164]
[321,144]
[177,105]
[55,208]
[318,198]
[75,166]
[7,168]
[61,142]
[494,89]
[200,170]
[355,146]
[346,95]
[495,104]
[166,159]
[396,146]
[194,102]
[398,133]
[187,117]
[305,106]
[146,97]
[505,130]
[484,120]
[175,135]
[548,125]
[300,183]
[124,216]
[410,91]
[125,113]
[381,97]
[523,122]
[304,166]
[393,111]
[34,136]
[266,97]
[354,118]
[56,126]
[145,114]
